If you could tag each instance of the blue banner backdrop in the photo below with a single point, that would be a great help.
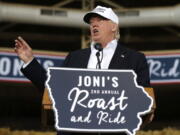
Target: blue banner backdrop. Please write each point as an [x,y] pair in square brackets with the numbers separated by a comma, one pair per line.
[164,68]
[10,65]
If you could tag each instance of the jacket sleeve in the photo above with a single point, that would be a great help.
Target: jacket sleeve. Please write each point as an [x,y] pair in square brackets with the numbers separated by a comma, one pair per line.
[36,73]
[142,71]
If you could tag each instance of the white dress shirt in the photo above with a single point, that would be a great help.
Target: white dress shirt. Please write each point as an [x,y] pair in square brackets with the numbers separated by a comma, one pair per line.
[106,55]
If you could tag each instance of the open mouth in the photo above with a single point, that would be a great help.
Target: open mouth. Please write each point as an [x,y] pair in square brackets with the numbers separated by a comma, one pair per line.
[95,31]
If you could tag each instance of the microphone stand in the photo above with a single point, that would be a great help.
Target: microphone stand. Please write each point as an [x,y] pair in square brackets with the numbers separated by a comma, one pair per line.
[98,47]
[98,59]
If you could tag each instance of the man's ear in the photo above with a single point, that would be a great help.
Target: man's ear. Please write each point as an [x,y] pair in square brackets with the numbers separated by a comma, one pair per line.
[114,27]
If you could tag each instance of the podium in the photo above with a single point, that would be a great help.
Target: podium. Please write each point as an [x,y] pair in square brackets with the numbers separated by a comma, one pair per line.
[47,106]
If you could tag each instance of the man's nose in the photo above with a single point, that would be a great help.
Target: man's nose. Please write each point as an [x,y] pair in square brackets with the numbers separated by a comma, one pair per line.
[94,24]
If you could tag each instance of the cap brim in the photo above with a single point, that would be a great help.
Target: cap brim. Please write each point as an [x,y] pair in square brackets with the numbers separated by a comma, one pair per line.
[89,15]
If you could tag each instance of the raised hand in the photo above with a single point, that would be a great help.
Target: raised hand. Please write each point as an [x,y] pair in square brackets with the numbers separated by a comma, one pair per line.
[23,50]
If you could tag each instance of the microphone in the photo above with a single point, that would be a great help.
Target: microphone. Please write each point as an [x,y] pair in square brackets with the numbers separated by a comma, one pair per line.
[98,47]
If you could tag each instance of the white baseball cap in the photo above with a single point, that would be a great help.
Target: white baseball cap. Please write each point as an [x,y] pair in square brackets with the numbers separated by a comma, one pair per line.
[105,12]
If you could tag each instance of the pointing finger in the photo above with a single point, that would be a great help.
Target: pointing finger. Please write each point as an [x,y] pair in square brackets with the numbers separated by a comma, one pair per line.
[18,43]
[22,40]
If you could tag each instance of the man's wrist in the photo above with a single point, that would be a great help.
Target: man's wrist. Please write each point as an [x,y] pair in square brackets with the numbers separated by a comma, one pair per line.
[27,63]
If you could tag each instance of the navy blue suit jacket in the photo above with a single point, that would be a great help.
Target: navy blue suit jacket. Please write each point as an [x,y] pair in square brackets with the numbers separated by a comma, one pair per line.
[123,58]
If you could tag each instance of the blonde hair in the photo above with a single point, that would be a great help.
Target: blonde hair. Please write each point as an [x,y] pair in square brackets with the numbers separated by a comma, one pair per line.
[117,33]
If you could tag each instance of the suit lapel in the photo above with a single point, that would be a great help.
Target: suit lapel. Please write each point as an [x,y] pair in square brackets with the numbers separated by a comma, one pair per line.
[85,58]
[118,59]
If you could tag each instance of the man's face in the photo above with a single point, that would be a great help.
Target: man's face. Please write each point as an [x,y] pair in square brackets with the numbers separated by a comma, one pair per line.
[101,29]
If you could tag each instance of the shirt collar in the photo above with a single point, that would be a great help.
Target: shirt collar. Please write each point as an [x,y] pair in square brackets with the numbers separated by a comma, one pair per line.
[111,45]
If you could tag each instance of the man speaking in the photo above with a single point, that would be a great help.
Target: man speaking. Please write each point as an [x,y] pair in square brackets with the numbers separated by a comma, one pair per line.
[104,53]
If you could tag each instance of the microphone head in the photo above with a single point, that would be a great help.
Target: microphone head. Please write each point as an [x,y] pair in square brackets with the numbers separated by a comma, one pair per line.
[98,54]
[98,47]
